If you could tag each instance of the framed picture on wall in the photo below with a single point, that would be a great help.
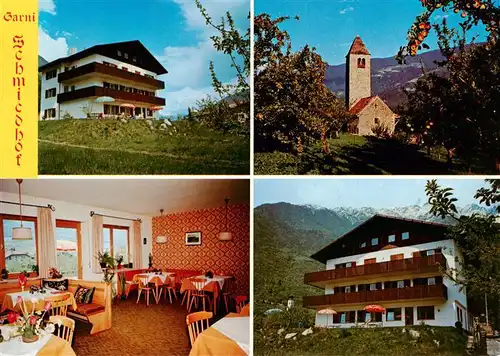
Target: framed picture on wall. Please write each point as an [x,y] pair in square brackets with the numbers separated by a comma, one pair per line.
[193,238]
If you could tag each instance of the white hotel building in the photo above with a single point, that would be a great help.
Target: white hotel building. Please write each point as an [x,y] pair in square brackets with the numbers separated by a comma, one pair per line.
[102,81]
[392,262]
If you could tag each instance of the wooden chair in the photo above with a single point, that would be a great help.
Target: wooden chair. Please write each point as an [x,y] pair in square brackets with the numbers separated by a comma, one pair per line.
[168,287]
[59,305]
[66,327]
[143,286]
[198,293]
[196,323]
[241,301]
[228,292]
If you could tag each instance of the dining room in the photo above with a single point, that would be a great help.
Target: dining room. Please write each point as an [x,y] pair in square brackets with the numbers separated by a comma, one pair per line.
[102,266]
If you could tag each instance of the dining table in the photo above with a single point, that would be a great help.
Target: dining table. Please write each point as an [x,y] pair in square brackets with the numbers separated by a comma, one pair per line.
[228,336]
[158,279]
[214,284]
[39,299]
[46,345]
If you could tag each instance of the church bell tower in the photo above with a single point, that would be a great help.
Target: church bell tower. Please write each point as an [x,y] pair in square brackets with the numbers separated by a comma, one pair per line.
[358,73]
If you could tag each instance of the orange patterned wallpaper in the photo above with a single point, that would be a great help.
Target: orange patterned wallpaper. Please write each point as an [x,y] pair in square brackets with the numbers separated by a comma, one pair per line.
[225,258]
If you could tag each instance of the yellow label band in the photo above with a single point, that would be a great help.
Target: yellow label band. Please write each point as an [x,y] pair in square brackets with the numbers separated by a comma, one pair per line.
[18,88]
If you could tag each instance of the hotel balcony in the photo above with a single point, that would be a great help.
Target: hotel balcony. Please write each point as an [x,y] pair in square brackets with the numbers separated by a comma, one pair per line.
[411,266]
[95,91]
[436,292]
[93,69]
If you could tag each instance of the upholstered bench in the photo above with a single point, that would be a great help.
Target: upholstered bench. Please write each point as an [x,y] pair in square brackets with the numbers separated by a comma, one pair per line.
[98,312]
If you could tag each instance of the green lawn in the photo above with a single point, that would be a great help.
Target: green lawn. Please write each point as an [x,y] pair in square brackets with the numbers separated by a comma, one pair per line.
[111,147]
[352,154]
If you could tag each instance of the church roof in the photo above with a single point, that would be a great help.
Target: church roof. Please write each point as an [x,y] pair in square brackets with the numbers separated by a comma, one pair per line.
[361,104]
[358,47]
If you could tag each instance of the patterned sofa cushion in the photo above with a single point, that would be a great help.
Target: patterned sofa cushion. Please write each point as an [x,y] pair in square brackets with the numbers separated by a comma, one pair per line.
[59,284]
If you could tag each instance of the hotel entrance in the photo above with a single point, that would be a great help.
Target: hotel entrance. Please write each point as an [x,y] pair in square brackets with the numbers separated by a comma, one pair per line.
[409,316]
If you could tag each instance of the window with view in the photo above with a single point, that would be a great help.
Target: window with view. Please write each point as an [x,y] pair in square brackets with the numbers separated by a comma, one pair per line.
[425,313]
[17,255]
[116,241]
[67,246]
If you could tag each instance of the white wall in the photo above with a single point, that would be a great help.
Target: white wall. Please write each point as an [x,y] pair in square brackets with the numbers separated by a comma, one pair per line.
[76,212]
[76,107]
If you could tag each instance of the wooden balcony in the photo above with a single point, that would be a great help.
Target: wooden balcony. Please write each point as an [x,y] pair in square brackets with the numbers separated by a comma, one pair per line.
[415,265]
[95,91]
[436,292]
[104,69]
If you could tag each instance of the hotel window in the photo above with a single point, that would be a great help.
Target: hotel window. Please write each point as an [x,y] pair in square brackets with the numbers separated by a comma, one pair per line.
[425,313]
[373,286]
[134,59]
[51,74]
[375,241]
[363,245]
[50,93]
[429,252]
[126,55]
[431,281]
[125,69]
[68,252]
[19,255]
[405,235]
[392,238]
[348,289]
[137,72]
[110,64]
[50,113]
[72,88]
[116,240]
[394,314]
[399,256]
[370,261]
[66,89]
[348,264]
[401,284]
[148,75]
[119,53]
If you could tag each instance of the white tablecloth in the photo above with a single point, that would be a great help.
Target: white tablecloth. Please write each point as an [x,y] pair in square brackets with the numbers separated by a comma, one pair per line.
[218,279]
[237,329]
[27,296]
[16,347]
[162,276]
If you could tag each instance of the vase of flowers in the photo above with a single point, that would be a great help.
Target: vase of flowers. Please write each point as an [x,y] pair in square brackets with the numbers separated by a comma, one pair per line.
[119,261]
[30,325]
[54,273]
[22,280]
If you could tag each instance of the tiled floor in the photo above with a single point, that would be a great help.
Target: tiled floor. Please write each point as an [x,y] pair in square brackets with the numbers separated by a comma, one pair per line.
[138,330]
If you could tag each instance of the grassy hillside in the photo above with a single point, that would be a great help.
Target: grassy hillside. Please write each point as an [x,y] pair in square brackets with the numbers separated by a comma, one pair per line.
[113,147]
[352,154]
[435,341]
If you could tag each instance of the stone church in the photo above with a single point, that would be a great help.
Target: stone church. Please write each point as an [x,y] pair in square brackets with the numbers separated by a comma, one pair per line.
[370,110]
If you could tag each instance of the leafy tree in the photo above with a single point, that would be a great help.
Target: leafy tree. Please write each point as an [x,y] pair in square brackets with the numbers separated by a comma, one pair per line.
[478,236]
[236,46]
[293,106]
[459,110]
[473,12]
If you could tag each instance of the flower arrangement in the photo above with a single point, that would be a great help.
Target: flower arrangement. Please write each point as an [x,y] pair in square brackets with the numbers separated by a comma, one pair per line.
[54,273]
[119,260]
[22,280]
[31,324]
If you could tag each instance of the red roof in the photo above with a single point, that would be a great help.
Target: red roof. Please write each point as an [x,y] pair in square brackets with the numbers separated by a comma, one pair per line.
[361,104]
[358,47]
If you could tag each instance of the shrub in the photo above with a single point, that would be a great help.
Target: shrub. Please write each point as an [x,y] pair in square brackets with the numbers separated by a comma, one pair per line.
[344,333]
[381,130]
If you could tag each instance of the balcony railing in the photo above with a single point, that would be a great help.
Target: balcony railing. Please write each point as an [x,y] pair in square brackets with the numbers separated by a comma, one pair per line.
[111,71]
[116,94]
[416,264]
[438,291]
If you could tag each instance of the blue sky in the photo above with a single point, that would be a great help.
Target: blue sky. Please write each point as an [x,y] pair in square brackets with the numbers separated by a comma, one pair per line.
[331,25]
[357,193]
[173,30]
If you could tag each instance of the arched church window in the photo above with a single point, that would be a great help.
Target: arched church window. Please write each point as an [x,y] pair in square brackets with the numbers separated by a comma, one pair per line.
[361,62]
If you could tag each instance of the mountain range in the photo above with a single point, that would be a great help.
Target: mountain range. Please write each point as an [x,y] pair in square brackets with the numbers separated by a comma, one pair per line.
[388,77]
[286,235]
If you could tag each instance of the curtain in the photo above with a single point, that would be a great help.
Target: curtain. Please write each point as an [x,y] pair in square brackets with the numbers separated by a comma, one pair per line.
[46,242]
[137,257]
[97,242]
